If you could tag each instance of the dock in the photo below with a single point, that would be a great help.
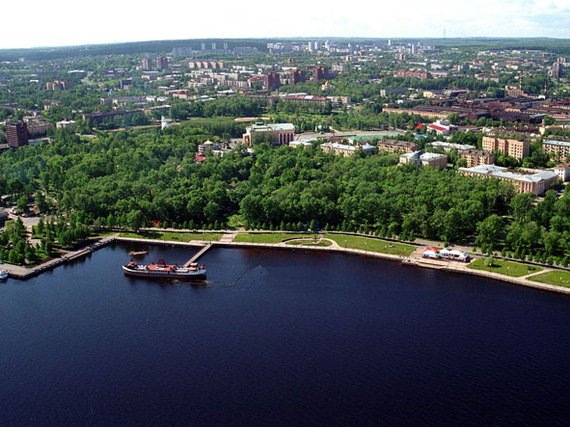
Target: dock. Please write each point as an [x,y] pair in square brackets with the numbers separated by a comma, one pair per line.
[198,255]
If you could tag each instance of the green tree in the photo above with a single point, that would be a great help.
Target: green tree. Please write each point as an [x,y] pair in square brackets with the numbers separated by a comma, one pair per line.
[23,203]
[135,220]
[490,231]
[522,205]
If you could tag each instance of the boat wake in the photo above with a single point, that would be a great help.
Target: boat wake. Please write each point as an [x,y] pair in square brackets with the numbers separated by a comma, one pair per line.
[247,278]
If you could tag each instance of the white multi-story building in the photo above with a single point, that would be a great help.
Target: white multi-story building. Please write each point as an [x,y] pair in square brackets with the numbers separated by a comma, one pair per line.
[536,183]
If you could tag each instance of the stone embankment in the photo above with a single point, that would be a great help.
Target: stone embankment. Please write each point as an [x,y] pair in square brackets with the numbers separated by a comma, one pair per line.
[227,240]
[416,259]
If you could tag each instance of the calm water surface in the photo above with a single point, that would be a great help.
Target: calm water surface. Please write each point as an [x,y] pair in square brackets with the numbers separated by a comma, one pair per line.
[279,338]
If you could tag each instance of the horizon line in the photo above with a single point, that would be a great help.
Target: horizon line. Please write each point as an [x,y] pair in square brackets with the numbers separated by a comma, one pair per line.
[438,38]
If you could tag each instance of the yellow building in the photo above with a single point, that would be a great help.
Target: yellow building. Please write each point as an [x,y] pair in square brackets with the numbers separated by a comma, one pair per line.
[276,134]
[558,150]
[517,148]
[477,157]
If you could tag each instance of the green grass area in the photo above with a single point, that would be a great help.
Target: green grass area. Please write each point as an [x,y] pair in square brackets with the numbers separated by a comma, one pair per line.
[507,268]
[372,245]
[175,237]
[266,237]
[104,233]
[322,243]
[556,278]
[235,221]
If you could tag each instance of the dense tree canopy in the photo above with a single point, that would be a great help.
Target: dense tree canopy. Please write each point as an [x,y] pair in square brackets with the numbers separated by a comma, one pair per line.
[136,178]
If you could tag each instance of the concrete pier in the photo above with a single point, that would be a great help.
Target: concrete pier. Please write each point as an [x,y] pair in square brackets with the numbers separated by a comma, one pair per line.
[198,255]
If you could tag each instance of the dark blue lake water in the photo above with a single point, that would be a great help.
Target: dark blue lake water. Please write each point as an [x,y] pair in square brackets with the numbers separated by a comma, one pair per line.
[279,338]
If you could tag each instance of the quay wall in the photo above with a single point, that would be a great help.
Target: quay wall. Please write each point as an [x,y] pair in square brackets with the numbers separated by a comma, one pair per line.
[451,266]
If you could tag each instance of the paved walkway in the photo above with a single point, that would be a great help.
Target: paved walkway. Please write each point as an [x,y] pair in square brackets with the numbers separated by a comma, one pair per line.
[415,259]
[228,236]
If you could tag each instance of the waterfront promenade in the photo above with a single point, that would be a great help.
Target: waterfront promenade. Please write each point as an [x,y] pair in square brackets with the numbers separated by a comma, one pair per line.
[414,260]
[19,272]
[227,239]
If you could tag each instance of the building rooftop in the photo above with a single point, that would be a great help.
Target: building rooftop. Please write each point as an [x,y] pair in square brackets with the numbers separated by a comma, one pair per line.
[272,127]
[437,127]
[450,146]
[501,172]
[305,142]
[484,169]
[431,156]
[558,143]
[338,146]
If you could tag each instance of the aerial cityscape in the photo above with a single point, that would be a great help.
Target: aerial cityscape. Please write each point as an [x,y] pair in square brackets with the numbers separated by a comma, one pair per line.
[404,159]
[227,134]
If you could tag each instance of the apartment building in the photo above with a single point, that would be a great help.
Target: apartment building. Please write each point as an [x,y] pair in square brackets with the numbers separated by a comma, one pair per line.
[17,134]
[477,157]
[394,146]
[558,150]
[517,148]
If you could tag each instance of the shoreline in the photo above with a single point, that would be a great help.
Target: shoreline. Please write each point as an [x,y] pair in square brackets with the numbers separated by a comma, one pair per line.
[23,273]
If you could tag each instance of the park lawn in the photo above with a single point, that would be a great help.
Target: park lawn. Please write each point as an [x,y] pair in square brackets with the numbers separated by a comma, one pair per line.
[103,233]
[174,237]
[371,245]
[235,221]
[507,268]
[556,278]
[266,237]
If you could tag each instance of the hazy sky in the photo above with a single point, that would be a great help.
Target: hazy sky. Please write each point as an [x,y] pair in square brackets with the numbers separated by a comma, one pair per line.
[69,22]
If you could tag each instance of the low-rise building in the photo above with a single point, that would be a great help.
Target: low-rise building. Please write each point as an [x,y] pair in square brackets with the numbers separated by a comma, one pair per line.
[302,143]
[563,171]
[536,183]
[347,150]
[208,145]
[442,127]
[421,158]
[65,124]
[276,134]
[211,65]
[448,146]
[395,146]
[58,84]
